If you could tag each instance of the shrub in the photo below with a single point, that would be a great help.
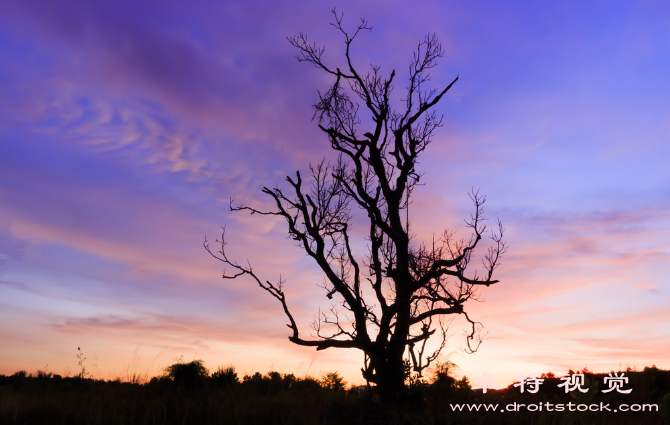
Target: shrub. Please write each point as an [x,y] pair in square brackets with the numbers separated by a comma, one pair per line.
[225,376]
[463,384]
[333,381]
[21,374]
[307,385]
[187,374]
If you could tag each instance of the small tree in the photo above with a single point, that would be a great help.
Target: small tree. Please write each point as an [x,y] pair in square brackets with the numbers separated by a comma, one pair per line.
[463,383]
[397,294]
[442,376]
[225,376]
[187,374]
[333,381]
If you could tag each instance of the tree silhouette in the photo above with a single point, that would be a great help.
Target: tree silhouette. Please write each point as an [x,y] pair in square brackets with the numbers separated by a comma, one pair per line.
[398,294]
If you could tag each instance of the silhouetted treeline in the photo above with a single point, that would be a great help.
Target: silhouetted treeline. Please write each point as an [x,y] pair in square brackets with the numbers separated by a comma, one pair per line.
[188,394]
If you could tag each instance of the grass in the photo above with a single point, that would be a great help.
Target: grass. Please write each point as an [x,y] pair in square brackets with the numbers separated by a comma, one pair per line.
[274,398]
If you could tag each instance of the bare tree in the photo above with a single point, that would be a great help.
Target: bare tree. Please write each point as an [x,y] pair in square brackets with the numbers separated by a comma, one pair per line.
[397,295]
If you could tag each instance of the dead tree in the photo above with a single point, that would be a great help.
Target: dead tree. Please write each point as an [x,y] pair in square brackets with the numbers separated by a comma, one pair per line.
[397,294]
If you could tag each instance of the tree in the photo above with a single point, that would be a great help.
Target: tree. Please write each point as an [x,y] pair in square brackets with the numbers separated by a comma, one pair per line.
[333,381]
[396,295]
[225,376]
[187,374]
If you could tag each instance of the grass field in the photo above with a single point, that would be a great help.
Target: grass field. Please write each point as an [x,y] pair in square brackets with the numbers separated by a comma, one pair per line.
[188,394]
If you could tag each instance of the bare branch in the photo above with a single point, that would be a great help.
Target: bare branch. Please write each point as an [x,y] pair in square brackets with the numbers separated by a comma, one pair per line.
[411,286]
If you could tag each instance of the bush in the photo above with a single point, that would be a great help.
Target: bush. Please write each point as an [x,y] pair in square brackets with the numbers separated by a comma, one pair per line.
[306,385]
[333,381]
[463,384]
[225,376]
[187,374]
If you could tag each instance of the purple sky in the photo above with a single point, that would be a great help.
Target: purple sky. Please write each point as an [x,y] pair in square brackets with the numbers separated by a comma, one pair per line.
[125,127]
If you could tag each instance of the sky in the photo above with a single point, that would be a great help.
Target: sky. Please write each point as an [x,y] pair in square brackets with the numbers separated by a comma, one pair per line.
[126,127]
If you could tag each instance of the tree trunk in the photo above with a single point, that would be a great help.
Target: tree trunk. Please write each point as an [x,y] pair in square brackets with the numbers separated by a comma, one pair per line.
[391,384]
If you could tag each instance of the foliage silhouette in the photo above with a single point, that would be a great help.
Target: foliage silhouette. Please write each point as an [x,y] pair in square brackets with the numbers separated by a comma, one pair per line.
[333,381]
[33,399]
[224,377]
[442,377]
[397,294]
[187,374]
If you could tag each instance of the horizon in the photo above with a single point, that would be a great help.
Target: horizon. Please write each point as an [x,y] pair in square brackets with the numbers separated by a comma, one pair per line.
[141,374]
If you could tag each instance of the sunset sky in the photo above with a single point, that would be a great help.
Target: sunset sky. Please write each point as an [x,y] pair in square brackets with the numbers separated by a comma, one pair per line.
[126,127]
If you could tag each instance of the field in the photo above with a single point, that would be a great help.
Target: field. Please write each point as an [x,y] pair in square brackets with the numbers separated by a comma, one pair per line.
[187,394]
